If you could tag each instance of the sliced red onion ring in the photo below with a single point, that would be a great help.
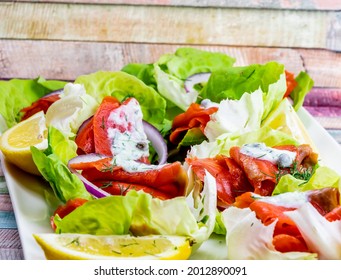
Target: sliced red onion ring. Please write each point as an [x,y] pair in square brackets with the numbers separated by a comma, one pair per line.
[157,141]
[90,187]
[83,125]
[198,78]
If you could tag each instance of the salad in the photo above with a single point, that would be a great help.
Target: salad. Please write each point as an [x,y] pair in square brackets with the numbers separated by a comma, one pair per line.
[189,145]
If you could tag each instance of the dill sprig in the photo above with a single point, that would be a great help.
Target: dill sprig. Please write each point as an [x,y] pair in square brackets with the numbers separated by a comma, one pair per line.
[297,171]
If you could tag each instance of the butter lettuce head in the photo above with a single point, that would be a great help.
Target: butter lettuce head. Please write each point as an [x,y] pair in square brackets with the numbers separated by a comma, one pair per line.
[123,85]
[171,71]
[236,116]
[233,82]
[188,61]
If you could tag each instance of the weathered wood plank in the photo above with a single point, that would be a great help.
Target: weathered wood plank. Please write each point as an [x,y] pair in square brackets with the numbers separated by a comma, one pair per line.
[3,186]
[11,254]
[325,106]
[5,203]
[268,4]
[329,123]
[66,60]
[169,24]
[10,245]
[334,32]
[323,66]
[12,239]
[322,97]
[7,220]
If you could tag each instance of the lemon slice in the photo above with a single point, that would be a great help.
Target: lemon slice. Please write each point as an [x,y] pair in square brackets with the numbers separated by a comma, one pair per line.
[69,246]
[15,143]
[285,119]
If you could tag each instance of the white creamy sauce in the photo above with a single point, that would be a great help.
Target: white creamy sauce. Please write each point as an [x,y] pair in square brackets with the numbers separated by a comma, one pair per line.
[282,158]
[129,141]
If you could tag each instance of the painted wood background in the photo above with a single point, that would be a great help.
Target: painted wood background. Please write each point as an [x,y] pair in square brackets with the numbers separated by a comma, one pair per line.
[62,39]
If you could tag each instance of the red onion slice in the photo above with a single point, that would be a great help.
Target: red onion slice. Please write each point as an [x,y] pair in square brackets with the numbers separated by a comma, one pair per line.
[90,187]
[198,78]
[83,125]
[157,141]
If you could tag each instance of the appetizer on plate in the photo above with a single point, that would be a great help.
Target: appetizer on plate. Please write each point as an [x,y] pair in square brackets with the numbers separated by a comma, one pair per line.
[174,152]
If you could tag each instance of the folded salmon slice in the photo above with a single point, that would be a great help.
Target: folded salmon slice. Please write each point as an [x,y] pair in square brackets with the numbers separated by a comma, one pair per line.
[41,104]
[264,175]
[195,116]
[102,142]
[230,179]
[169,179]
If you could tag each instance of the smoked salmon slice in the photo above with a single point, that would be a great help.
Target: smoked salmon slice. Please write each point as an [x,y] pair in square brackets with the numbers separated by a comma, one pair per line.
[100,125]
[195,116]
[230,179]
[41,104]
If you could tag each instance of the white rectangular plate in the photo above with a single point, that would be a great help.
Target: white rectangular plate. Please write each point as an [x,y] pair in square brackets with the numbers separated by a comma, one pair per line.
[33,213]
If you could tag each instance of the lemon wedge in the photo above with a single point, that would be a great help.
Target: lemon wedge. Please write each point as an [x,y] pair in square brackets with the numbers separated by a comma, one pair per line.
[68,246]
[285,119]
[15,143]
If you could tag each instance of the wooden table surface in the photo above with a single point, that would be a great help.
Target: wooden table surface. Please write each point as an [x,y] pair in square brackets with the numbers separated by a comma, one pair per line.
[62,39]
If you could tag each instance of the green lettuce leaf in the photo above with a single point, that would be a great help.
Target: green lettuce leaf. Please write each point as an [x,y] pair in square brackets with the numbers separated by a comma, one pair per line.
[236,116]
[171,71]
[60,145]
[304,85]
[157,216]
[51,85]
[144,72]
[219,227]
[110,215]
[322,177]
[193,136]
[187,61]
[233,82]
[64,184]
[16,94]
[172,89]
[123,85]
